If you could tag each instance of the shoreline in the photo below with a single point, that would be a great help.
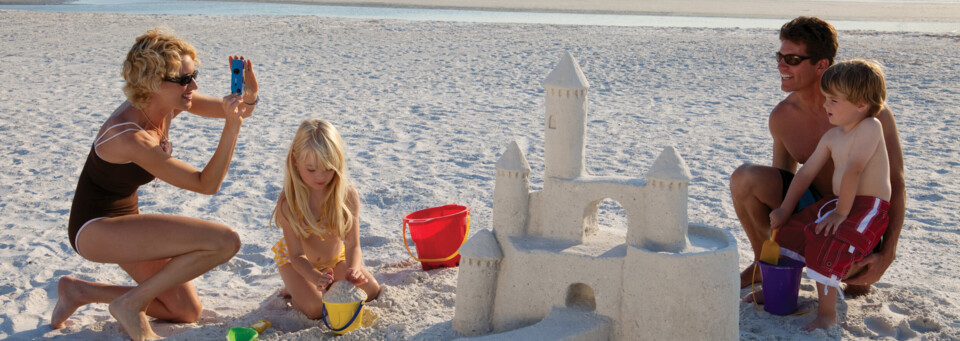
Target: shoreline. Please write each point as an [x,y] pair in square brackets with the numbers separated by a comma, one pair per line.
[752,9]
[925,12]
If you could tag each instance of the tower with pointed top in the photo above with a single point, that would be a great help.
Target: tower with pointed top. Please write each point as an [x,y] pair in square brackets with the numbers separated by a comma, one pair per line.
[566,119]
[664,227]
[511,195]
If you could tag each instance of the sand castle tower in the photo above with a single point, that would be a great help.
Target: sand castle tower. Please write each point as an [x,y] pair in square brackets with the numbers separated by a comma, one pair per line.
[546,269]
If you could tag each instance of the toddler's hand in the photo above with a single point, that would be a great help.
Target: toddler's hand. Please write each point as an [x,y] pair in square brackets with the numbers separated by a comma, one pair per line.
[830,224]
[778,217]
[355,276]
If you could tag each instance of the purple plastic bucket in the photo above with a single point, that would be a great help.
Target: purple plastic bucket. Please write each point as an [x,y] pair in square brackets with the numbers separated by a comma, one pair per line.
[781,285]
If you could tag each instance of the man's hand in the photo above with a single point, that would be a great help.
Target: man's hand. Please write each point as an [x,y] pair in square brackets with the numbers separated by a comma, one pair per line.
[873,265]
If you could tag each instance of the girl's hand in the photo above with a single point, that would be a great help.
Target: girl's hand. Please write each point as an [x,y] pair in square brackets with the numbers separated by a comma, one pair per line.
[230,104]
[830,224]
[778,217]
[355,276]
[325,279]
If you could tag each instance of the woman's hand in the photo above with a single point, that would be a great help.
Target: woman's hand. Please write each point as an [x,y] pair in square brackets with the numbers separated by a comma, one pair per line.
[231,113]
[250,86]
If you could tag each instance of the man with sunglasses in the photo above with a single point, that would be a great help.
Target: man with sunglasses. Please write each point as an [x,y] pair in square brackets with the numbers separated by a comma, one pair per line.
[808,47]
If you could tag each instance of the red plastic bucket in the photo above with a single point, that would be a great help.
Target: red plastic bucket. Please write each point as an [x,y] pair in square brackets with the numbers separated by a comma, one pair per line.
[438,233]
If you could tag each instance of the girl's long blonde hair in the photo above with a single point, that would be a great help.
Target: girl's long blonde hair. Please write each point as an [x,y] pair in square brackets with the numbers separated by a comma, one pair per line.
[321,139]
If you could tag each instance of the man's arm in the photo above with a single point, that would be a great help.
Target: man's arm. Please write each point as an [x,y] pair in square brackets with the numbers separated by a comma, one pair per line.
[878,262]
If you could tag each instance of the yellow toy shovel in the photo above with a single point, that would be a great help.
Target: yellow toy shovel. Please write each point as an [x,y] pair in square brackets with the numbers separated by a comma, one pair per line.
[770,252]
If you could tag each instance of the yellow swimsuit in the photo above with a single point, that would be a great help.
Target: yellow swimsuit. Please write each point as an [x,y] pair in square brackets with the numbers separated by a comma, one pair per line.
[282,258]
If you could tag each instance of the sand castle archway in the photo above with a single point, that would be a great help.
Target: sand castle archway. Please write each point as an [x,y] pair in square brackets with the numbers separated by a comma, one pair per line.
[594,211]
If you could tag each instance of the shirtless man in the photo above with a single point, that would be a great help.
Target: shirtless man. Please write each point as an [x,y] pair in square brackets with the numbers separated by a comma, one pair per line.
[807,48]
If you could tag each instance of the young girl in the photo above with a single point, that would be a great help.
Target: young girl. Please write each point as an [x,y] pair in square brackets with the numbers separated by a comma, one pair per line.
[318,212]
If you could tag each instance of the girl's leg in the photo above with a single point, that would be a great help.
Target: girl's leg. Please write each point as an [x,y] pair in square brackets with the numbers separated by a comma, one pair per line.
[304,295]
[185,248]
[371,287]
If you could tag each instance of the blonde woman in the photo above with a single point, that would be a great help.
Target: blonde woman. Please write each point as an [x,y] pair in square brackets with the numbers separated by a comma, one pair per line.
[162,253]
[318,212]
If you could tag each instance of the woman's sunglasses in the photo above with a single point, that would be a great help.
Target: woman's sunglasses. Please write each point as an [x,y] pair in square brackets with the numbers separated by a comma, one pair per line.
[186,79]
[791,59]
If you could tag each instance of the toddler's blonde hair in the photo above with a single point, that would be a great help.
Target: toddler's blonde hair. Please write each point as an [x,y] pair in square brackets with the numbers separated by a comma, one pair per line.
[859,81]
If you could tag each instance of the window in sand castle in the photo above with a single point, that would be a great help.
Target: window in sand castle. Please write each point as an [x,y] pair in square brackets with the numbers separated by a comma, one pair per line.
[580,296]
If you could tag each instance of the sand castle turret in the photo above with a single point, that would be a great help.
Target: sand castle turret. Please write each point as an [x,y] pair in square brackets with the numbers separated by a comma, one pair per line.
[566,96]
[480,260]
[664,226]
[512,191]
[547,268]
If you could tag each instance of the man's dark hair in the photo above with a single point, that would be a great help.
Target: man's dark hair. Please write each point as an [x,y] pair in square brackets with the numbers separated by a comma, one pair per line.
[819,37]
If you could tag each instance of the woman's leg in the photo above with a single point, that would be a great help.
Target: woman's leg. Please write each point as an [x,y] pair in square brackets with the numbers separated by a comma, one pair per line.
[180,304]
[304,295]
[165,252]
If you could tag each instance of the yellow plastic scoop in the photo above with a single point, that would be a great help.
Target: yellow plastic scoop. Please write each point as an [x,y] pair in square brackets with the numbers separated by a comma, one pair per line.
[770,252]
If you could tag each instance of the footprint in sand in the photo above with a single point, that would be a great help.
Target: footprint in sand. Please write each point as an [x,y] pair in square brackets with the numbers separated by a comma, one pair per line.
[880,325]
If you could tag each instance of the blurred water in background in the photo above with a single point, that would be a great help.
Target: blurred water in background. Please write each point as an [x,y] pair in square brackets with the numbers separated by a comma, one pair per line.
[235,8]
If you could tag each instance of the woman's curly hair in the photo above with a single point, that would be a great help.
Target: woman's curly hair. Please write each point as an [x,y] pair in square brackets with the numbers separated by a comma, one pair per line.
[154,56]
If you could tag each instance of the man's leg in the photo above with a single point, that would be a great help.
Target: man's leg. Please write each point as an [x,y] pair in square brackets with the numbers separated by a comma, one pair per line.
[755,190]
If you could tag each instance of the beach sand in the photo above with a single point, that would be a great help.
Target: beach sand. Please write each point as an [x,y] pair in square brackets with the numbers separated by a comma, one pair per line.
[426,109]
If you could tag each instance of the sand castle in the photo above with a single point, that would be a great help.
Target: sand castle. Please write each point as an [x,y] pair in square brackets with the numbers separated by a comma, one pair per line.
[547,269]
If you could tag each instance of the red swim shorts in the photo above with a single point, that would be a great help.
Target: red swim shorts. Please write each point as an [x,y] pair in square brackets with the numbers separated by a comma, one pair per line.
[828,258]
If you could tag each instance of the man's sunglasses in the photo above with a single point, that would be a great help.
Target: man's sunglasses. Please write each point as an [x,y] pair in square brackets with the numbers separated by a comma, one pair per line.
[186,79]
[791,59]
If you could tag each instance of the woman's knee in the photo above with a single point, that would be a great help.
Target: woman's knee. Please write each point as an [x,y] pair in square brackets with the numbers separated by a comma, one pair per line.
[226,242]
[183,307]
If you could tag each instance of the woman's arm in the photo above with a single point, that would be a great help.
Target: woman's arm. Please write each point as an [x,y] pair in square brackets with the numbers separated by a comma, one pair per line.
[145,152]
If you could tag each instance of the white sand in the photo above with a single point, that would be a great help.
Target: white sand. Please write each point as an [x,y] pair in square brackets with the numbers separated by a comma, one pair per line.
[426,109]
[344,292]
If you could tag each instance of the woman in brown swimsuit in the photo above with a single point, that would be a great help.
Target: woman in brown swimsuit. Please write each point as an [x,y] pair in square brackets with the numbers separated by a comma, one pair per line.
[162,253]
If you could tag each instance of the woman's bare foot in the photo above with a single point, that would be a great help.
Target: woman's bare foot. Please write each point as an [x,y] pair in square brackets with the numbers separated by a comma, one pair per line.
[754,296]
[750,275]
[69,292]
[822,321]
[133,319]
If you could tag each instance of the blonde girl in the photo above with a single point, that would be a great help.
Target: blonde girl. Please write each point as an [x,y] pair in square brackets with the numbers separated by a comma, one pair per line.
[318,212]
